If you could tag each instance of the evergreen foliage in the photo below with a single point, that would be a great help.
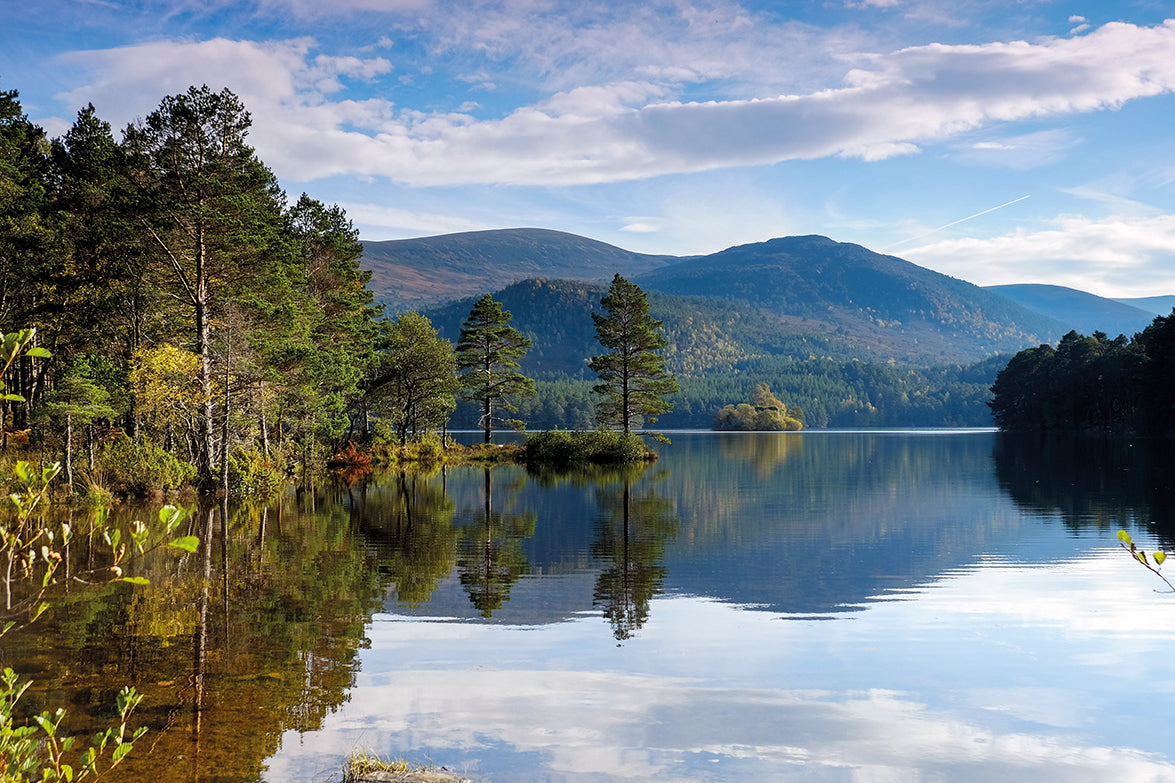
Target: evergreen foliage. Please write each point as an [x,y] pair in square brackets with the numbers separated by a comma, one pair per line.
[1091,383]
[212,315]
[487,359]
[633,379]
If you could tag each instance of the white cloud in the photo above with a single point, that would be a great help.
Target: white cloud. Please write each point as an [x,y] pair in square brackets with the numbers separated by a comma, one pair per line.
[891,104]
[377,221]
[1024,151]
[1113,256]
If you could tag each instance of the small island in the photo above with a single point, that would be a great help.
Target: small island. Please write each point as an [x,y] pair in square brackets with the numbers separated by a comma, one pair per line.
[764,413]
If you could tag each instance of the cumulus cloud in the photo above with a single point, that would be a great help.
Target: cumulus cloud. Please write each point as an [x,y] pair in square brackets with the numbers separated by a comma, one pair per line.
[889,104]
[1122,256]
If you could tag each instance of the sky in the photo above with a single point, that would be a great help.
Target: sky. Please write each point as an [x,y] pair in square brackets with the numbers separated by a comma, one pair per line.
[996,141]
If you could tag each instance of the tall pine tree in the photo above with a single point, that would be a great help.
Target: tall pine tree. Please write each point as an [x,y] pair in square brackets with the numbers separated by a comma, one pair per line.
[488,351]
[212,213]
[633,378]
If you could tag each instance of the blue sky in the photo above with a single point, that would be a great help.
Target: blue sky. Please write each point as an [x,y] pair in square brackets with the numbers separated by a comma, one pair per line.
[997,141]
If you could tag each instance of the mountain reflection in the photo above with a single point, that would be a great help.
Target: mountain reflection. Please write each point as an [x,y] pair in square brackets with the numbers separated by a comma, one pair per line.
[258,633]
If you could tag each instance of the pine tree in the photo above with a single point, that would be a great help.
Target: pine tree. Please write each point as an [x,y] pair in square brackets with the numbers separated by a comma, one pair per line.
[633,378]
[488,351]
[212,211]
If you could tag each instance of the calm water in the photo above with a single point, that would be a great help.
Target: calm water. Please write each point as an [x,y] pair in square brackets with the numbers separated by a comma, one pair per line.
[821,606]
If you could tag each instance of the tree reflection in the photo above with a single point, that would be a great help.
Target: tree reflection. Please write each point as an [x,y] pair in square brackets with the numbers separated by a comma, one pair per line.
[1091,479]
[765,451]
[631,534]
[409,521]
[255,634]
[490,558]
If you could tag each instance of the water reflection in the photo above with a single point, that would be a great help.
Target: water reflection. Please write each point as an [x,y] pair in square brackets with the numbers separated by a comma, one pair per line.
[490,557]
[631,534]
[255,634]
[1092,479]
[324,621]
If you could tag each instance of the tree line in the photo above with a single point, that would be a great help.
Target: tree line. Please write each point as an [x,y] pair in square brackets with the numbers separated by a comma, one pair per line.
[1092,383]
[182,311]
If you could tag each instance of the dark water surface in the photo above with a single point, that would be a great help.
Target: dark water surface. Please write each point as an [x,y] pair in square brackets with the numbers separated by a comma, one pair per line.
[825,606]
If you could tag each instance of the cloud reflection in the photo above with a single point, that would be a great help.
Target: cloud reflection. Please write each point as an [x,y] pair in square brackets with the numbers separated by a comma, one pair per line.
[1003,670]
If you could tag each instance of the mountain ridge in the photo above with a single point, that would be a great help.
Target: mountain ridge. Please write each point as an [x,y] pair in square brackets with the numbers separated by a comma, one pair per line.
[427,271]
[1082,311]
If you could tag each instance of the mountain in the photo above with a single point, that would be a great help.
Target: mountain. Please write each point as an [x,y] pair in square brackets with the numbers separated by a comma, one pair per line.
[719,349]
[1159,305]
[1079,310]
[706,335]
[415,273]
[891,308]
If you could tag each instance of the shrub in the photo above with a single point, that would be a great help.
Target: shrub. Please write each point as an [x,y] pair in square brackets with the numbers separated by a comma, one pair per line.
[601,447]
[253,474]
[141,468]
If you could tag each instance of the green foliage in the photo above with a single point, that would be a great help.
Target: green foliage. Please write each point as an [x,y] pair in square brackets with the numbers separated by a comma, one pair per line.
[1089,383]
[140,468]
[488,351]
[253,474]
[765,412]
[40,752]
[12,347]
[415,385]
[562,448]
[633,379]
[717,351]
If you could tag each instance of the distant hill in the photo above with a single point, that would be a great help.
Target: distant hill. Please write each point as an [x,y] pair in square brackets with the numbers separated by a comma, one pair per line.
[705,335]
[719,349]
[411,274]
[890,308]
[1159,305]
[1084,312]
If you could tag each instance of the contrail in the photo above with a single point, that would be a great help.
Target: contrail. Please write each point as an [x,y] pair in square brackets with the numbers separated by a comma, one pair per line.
[957,222]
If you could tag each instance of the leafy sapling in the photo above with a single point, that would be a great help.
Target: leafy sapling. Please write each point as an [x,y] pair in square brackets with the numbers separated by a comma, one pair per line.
[1157,558]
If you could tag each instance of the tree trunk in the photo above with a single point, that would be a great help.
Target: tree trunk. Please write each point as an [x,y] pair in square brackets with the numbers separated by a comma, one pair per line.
[90,446]
[69,451]
[204,348]
[264,424]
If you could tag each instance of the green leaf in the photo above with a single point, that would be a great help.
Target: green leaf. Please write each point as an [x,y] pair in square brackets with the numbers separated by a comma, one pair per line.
[12,398]
[39,352]
[123,749]
[136,580]
[1123,536]
[1159,557]
[186,543]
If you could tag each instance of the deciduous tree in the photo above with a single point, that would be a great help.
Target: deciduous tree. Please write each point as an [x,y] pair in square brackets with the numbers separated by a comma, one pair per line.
[417,380]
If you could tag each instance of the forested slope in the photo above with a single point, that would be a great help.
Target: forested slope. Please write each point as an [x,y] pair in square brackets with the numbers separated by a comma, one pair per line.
[719,351]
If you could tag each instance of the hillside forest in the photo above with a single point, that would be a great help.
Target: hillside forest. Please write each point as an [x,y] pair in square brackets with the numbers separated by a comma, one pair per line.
[190,321]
